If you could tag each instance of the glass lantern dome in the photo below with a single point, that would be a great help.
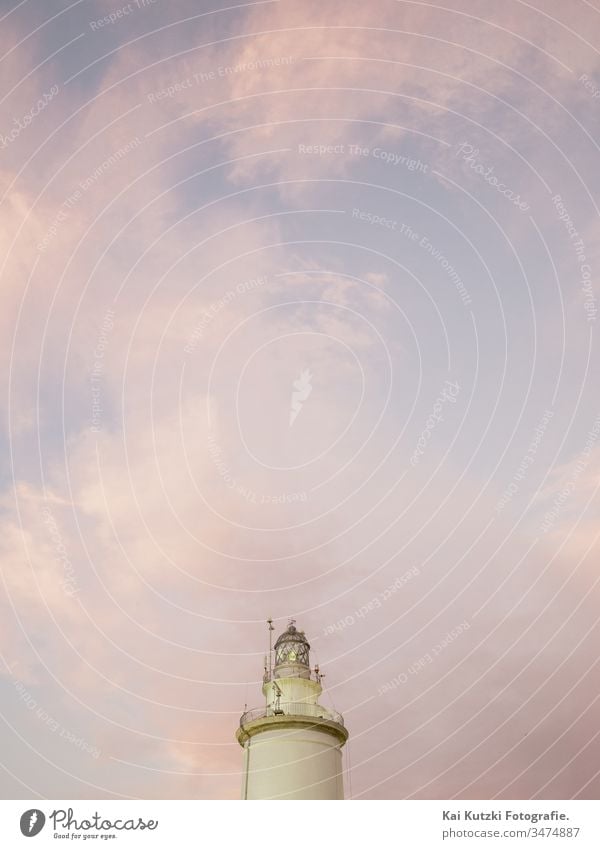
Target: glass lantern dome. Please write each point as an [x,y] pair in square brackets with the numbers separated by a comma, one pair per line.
[292,648]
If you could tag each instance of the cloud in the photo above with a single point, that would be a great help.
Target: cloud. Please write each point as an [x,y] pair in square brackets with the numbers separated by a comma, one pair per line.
[164,303]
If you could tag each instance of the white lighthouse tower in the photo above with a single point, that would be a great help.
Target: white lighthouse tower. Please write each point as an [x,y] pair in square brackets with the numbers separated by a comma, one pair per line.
[292,745]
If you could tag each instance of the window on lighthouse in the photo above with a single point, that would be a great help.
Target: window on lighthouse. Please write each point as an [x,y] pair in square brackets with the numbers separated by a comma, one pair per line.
[292,653]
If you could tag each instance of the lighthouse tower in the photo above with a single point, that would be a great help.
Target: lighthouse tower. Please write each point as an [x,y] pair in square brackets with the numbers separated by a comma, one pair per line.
[292,745]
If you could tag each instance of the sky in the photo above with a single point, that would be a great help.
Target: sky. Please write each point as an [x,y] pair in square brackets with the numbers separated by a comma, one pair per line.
[299,319]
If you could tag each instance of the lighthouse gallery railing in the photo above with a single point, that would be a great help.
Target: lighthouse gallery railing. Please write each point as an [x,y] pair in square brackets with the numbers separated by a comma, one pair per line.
[292,709]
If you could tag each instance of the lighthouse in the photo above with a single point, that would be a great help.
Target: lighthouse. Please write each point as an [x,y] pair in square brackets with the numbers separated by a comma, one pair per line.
[292,744]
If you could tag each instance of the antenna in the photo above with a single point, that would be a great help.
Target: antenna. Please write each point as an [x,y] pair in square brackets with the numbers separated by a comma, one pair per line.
[278,694]
[271,629]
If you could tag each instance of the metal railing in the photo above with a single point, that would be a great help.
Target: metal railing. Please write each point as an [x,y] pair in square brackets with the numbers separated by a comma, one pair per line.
[292,709]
